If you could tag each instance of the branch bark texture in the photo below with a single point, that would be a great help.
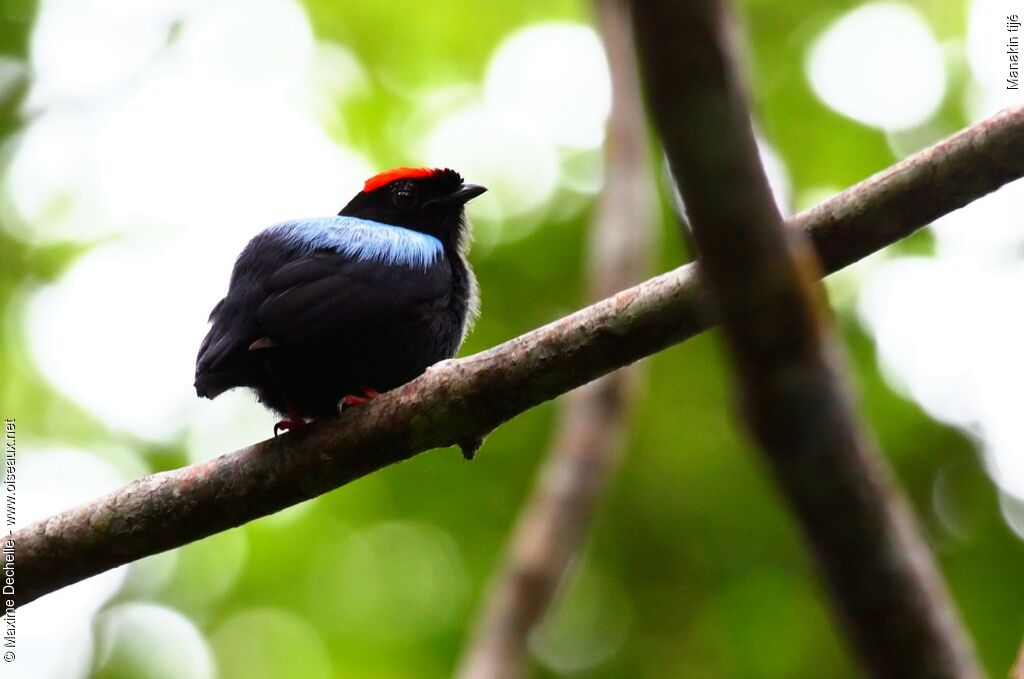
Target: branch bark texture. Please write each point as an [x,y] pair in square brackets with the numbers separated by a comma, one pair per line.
[588,442]
[464,399]
[881,576]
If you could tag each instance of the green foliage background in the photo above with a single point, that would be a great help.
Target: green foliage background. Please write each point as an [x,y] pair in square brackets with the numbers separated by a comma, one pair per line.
[694,569]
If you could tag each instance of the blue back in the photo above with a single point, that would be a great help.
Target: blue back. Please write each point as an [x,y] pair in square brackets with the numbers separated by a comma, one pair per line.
[360,239]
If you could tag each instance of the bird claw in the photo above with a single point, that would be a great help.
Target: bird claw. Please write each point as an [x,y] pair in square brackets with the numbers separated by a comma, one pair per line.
[367,394]
[294,421]
[352,400]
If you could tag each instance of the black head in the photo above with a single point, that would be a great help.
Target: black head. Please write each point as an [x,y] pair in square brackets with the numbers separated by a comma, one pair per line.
[423,199]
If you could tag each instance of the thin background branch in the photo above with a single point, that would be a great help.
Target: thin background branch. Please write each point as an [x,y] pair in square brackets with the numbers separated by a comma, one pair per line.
[883,581]
[464,399]
[554,521]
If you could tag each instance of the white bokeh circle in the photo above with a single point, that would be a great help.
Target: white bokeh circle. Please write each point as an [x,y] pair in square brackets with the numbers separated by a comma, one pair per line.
[879,64]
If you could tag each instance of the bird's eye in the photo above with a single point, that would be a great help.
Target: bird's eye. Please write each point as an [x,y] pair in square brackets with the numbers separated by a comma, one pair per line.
[404,198]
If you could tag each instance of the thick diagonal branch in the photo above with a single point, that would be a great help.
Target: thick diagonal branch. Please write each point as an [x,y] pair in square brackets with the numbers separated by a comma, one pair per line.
[556,518]
[884,583]
[464,399]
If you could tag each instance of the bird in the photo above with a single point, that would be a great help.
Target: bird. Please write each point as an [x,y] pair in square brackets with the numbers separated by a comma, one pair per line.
[329,312]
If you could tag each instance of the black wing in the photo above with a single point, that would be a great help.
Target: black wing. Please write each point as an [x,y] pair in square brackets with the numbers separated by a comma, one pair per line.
[219,365]
[322,296]
[327,296]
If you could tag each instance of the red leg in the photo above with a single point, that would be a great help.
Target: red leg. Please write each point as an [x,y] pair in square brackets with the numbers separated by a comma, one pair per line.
[367,394]
[294,421]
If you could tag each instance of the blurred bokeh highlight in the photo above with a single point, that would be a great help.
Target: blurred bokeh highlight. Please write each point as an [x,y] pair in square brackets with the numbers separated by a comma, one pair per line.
[143,142]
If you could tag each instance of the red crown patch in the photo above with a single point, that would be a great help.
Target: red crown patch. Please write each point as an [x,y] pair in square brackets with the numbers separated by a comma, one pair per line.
[388,176]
